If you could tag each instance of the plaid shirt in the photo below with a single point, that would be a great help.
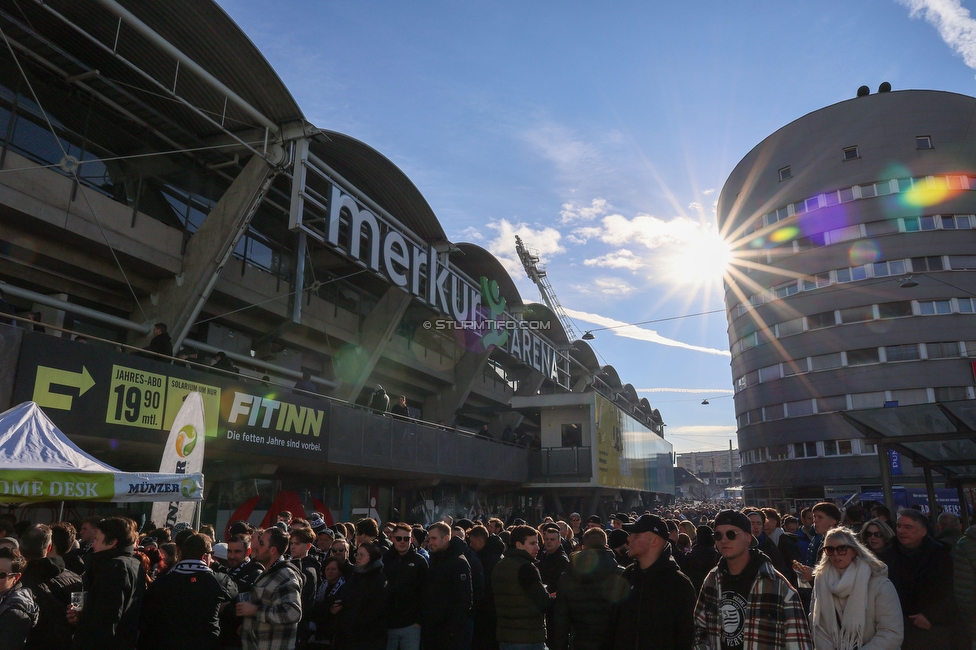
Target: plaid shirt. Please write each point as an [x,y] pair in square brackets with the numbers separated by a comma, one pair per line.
[774,621]
[278,594]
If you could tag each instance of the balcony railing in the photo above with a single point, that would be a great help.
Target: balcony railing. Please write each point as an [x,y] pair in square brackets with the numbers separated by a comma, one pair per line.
[560,465]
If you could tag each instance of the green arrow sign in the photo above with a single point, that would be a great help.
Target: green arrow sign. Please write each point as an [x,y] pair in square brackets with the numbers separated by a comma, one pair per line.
[47,377]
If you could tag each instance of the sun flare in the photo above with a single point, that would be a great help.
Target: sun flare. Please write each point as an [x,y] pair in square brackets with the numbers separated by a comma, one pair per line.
[704,259]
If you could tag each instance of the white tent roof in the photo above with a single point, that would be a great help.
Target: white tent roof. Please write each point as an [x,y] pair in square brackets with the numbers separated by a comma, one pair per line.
[30,441]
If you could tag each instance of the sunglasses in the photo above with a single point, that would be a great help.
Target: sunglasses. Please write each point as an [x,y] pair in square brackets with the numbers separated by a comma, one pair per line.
[874,533]
[840,549]
[405,538]
[729,534]
[8,574]
[338,550]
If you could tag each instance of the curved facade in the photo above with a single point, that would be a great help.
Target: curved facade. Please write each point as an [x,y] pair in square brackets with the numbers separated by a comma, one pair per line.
[828,216]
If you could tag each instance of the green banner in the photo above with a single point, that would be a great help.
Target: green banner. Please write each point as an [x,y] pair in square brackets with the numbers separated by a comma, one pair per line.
[29,486]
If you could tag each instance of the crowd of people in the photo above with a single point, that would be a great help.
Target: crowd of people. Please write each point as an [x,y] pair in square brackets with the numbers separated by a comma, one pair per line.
[698,577]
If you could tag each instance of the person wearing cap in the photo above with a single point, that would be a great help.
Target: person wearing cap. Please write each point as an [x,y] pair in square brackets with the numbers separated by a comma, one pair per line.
[189,594]
[617,541]
[594,521]
[744,602]
[658,611]
[617,520]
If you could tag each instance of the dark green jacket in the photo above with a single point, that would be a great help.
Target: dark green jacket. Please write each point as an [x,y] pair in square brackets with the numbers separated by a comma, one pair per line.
[521,599]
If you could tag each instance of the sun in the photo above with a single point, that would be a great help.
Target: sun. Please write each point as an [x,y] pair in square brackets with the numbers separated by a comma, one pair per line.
[702,260]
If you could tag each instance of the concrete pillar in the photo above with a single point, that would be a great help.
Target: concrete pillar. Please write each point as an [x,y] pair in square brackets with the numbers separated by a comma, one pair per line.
[180,299]
[354,365]
[444,404]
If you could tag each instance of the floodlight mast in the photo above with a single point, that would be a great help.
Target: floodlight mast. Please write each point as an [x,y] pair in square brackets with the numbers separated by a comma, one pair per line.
[537,273]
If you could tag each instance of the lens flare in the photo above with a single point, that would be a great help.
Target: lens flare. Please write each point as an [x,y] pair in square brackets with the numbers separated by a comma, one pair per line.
[785,234]
[702,259]
[926,194]
[864,252]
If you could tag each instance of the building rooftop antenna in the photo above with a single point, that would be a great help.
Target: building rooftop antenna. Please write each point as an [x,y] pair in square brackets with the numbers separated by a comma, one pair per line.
[537,273]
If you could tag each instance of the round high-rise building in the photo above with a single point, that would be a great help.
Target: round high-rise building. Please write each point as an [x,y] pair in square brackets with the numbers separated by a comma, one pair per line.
[854,285]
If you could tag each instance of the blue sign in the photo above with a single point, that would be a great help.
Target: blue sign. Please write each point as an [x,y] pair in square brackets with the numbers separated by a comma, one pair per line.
[895,459]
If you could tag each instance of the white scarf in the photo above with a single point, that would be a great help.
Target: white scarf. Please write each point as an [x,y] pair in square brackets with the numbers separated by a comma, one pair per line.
[844,596]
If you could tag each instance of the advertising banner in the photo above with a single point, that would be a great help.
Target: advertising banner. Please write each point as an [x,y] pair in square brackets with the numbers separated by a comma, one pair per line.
[33,486]
[183,454]
[91,390]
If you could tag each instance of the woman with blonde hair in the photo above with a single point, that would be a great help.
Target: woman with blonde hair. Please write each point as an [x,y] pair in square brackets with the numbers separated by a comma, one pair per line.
[876,535]
[854,604]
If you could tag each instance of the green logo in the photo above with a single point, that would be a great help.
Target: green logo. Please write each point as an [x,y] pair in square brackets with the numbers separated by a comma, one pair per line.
[187,487]
[496,308]
[186,440]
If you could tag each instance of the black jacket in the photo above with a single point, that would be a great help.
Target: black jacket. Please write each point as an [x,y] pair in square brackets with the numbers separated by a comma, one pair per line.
[190,594]
[585,596]
[51,585]
[552,566]
[243,576]
[161,344]
[477,575]
[659,611]
[362,621]
[18,614]
[924,582]
[447,603]
[116,586]
[406,576]
[484,613]
[701,560]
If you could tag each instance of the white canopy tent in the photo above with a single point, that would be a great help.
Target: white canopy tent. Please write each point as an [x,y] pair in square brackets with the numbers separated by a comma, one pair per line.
[39,463]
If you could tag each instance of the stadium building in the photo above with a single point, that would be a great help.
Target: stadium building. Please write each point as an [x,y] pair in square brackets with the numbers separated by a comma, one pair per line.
[154,168]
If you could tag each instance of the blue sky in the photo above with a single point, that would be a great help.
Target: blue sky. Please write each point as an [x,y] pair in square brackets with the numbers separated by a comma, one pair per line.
[602,133]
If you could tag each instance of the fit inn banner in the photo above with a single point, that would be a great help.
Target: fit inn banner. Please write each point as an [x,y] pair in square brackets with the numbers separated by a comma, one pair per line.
[183,454]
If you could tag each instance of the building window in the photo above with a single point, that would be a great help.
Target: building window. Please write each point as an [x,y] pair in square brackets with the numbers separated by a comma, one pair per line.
[830,447]
[933,263]
[789,328]
[862,357]
[958,222]
[894,267]
[897,309]
[845,447]
[857,314]
[966,305]
[770,373]
[799,408]
[851,274]
[951,393]
[915,224]
[944,350]
[962,262]
[850,153]
[785,173]
[821,320]
[832,403]
[931,307]
[826,361]
[816,281]
[902,352]
[923,142]
[869,448]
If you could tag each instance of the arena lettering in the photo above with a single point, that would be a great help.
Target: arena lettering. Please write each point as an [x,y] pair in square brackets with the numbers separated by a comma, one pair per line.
[373,243]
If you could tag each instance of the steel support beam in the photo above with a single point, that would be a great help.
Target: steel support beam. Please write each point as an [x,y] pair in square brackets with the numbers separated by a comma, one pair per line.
[930,490]
[885,460]
[964,505]
[355,365]
[443,406]
[208,251]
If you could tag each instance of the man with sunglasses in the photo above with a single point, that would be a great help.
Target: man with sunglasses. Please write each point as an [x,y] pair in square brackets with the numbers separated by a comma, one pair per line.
[18,611]
[406,579]
[658,611]
[745,604]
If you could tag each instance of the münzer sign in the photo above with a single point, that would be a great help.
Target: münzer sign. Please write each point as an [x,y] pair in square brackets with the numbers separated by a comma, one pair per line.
[417,268]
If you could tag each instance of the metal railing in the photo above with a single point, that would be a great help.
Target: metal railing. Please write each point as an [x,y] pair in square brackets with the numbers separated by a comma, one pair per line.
[561,464]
